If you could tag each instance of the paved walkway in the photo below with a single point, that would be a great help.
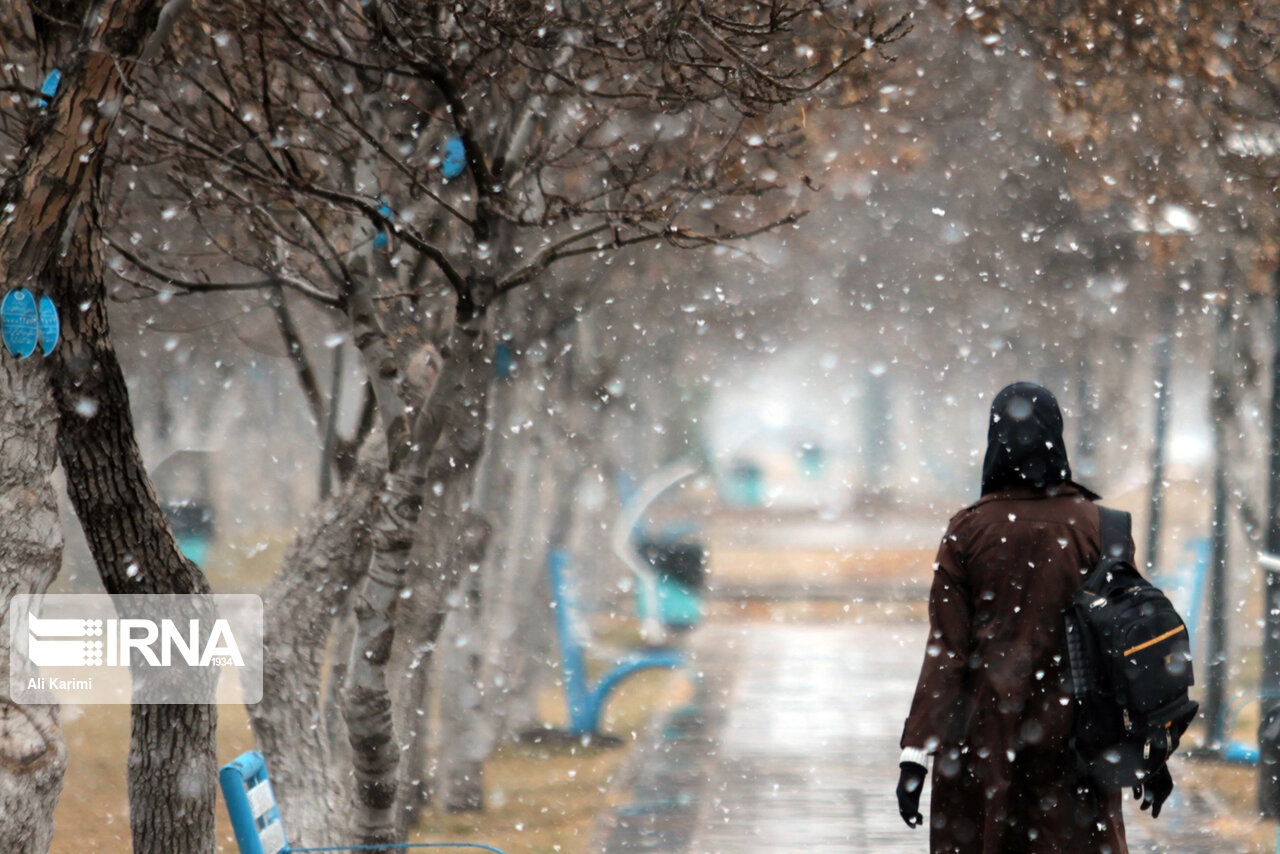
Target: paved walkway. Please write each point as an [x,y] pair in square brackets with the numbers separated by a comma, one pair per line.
[791,746]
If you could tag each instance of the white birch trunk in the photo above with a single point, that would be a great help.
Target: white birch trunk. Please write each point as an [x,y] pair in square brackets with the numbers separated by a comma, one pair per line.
[368,704]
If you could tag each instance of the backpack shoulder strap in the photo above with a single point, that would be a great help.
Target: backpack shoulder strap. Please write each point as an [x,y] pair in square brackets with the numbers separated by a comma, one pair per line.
[1117,533]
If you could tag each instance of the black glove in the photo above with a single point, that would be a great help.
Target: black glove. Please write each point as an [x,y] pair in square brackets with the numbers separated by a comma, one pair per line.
[1154,790]
[910,784]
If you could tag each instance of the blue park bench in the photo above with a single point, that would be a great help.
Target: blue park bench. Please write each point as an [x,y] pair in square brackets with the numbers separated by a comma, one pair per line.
[256,821]
[586,701]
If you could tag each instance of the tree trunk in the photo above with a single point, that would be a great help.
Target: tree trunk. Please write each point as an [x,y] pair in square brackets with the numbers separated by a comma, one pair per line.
[467,736]
[453,541]
[368,704]
[420,617]
[33,753]
[172,763]
[1164,359]
[301,607]
[516,591]
[61,153]
[1216,648]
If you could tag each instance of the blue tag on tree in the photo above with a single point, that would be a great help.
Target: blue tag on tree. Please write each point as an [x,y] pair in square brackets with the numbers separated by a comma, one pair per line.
[50,326]
[455,157]
[19,327]
[380,239]
[49,89]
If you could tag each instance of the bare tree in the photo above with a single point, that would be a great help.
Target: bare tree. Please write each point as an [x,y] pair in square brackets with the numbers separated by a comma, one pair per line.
[55,175]
[406,167]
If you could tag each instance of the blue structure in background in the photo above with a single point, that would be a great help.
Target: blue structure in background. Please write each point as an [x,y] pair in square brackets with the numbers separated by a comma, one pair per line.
[192,528]
[746,484]
[184,485]
[587,701]
[678,565]
[258,826]
[1193,579]
[812,460]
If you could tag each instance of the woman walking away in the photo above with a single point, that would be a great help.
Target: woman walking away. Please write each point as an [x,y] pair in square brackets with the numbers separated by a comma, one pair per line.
[991,705]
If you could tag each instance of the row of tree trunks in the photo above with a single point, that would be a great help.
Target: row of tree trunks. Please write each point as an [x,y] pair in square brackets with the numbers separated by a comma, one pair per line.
[514,583]
[464,742]
[495,659]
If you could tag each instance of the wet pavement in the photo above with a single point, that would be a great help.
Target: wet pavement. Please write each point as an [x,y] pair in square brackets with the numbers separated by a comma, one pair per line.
[790,744]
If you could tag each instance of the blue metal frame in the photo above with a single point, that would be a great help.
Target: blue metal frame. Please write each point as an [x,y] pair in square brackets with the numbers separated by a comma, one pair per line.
[249,769]
[400,845]
[235,778]
[1230,751]
[586,701]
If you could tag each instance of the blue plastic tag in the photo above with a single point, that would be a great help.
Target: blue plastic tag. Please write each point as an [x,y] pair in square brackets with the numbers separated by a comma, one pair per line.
[380,239]
[455,157]
[50,326]
[50,88]
[19,327]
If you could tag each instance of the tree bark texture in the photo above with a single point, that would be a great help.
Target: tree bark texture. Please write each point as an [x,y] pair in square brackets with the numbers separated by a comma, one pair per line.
[302,606]
[466,731]
[61,153]
[368,701]
[454,538]
[66,146]
[172,762]
[33,753]
[515,584]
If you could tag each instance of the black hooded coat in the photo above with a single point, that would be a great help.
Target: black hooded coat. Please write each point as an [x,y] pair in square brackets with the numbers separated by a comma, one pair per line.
[990,703]
[1024,441]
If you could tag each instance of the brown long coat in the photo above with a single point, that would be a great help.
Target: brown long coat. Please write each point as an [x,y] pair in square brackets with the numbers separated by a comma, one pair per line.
[990,699]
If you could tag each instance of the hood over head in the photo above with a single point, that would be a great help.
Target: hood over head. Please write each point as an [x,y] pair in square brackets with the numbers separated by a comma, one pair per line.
[1024,441]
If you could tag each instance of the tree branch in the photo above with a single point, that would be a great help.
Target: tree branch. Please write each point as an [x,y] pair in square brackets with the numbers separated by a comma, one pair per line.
[191,286]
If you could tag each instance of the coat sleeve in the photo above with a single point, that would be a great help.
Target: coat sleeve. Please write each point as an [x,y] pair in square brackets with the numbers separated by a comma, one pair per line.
[938,705]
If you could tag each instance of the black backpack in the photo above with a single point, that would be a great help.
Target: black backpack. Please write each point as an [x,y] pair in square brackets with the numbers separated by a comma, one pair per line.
[1130,666]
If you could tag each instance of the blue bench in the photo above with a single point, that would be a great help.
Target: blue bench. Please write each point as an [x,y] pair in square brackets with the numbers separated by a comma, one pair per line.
[586,701]
[256,821]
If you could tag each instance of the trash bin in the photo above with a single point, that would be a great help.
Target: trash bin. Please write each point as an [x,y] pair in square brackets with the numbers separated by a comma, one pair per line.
[183,482]
[1269,760]
[676,597]
[746,484]
[192,526]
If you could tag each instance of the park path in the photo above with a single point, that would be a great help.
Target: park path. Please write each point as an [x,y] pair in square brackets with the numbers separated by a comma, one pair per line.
[790,744]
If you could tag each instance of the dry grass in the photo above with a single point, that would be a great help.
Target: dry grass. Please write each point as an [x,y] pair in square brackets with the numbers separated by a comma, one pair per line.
[544,799]
[845,567]
[816,611]
[541,799]
[93,811]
